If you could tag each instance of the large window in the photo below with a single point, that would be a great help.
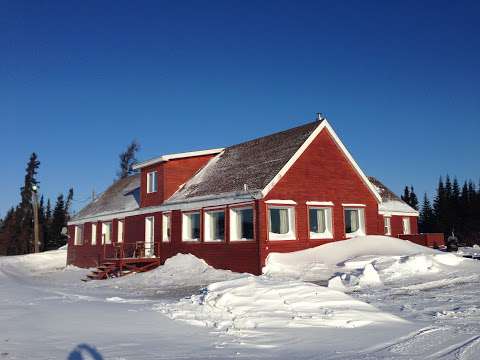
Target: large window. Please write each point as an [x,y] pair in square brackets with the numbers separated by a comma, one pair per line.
[94,234]
[241,224]
[320,219]
[282,223]
[191,226]
[406,226]
[106,233]
[354,222]
[387,220]
[151,182]
[78,235]
[121,231]
[166,226]
[214,225]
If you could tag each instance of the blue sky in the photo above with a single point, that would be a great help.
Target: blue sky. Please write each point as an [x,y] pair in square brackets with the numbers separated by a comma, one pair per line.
[399,81]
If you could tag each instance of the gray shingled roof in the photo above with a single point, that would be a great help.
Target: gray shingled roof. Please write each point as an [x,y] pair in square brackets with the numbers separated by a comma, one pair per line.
[254,163]
[391,202]
[123,195]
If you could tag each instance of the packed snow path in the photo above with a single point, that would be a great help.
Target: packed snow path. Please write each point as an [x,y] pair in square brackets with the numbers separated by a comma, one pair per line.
[46,312]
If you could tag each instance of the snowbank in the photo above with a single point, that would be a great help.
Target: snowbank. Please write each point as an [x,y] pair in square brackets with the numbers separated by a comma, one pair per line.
[43,262]
[319,262]
[181,270]
[257,302]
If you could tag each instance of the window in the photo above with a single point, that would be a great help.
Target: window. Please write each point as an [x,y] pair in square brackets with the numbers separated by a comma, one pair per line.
[354,222]
[191,226]
[214,225]
[241,223]
[107,233]
[151,182]
[120,231]
[94,234]
[406,226]
[78,235]
[320,219]
[149,236]
[282,223]
[387,220]
[166,226]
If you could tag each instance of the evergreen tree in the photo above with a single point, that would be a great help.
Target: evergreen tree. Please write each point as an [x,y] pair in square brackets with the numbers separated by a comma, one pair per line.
[127,159]
[427,216]
[406,195]
[59,220]
[413,199]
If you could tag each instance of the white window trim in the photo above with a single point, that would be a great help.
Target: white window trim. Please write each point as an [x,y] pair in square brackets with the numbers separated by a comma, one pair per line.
[361,222]
[206,226]
[120,235]
[78,240]
[166,219]
[409,226]
[354,205]
[150,251]
[319,203]
[292,233]
[93,237]
[328,234]
[388,225]
[149,185]
[281,202]
[233,216]
[186,222]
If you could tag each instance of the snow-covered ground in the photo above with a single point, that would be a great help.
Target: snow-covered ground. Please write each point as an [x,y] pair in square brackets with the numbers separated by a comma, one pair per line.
[365,298]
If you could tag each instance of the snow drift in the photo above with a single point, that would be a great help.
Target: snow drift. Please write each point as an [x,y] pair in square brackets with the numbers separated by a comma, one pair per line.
[257,302]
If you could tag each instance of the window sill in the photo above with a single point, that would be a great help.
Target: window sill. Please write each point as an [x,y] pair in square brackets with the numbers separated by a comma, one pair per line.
[327,236]
[191,240]
[281,237]
[353,235]
[241,240]
[216,241]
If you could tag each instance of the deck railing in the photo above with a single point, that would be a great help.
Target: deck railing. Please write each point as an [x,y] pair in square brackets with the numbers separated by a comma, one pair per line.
[136,250]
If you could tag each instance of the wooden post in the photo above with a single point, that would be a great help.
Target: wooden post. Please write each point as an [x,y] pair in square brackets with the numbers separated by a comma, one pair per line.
[36,225]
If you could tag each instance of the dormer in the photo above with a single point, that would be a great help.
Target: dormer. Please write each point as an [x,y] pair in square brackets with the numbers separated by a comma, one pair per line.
[163,175]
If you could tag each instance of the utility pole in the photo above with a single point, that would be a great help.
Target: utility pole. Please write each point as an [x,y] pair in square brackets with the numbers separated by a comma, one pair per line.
[36,225]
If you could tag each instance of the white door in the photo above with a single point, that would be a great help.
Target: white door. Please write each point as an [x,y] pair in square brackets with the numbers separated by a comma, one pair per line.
[406,226]
[149,236]
[120,231]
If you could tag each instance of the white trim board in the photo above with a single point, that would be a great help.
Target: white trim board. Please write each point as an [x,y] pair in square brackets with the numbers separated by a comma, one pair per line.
[398,213]
[322,125]
[354,205]
[168,157]
[281,202]
[319,203]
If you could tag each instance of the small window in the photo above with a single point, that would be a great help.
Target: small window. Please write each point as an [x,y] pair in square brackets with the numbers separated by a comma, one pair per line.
[151,182]
[320,220]
[191,226]
[94,234]
[107,233]
[354,222]
[166,226]
[241,224]
[282,223]
[214,225]
[78,235]
[387,220]
[120,232]
[406,226]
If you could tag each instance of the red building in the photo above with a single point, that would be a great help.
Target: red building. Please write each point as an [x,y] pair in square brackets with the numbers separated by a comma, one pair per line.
[288,191]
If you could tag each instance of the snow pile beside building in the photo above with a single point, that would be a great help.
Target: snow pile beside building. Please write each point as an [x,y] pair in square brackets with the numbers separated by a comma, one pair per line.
[181,270]
[320,262]
[44,262]
[259,303]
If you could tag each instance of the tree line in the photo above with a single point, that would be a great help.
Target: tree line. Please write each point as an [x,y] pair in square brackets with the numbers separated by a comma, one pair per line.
[454,209]
[16,228]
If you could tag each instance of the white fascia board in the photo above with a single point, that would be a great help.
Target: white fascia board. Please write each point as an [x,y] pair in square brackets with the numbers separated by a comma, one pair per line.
[194,204]
[398,213]
[319,203]
[168,157]
[324,124]
[354,205]
[281,202]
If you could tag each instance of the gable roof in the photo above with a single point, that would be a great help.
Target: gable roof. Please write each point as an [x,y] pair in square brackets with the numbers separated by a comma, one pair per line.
[168,157]
[391,203]
[253,163]
[123,195]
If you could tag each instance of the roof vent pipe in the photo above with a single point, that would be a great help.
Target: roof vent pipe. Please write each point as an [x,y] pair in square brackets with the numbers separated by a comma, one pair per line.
[320,116]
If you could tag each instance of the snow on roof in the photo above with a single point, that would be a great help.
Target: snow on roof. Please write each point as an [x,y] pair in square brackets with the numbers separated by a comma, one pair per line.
[168,157]
[253,163]
[391,203]
[123,195]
